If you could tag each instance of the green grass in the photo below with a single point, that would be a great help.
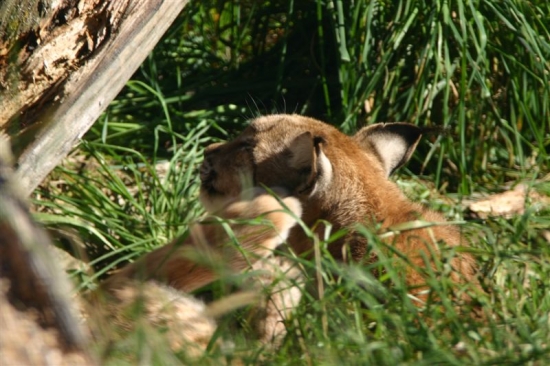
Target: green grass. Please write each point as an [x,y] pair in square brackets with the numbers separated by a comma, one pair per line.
[478,69]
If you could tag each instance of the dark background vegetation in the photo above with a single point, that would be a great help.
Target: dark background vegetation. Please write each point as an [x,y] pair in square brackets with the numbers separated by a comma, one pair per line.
[478,70]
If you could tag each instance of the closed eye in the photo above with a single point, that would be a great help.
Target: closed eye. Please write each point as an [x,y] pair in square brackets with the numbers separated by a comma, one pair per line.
[246,145]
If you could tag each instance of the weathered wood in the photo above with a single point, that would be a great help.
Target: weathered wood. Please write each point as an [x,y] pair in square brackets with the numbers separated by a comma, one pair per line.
[73,104]
[18,17]
[40,49]
[75,58]
[39,326]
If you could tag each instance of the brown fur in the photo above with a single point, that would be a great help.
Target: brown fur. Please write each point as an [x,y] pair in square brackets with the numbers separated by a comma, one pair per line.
[179,264]
[160,281]
[292,151]
[335,177]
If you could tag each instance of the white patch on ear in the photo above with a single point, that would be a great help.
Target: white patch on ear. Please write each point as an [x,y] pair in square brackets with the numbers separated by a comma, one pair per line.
[308,154]
[392,143]
[325,177]
[391,149]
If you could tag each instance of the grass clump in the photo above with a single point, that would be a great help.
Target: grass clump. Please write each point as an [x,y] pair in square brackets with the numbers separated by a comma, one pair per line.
[120,203]
[478,70]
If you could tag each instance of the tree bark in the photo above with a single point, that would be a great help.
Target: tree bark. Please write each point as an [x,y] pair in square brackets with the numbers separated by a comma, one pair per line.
[37,319]
[59,71]
[61,63]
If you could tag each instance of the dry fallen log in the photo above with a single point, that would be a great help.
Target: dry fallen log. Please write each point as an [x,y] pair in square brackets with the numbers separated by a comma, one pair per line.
[61,63]
[38,323]
[59,72]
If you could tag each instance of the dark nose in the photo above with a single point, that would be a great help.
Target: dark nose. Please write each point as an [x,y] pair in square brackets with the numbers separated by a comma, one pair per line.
[207,170]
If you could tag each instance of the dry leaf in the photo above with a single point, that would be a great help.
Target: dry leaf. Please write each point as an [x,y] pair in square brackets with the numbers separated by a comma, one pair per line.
[507,204]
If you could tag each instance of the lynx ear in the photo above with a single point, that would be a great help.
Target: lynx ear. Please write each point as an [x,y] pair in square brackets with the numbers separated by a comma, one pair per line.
[310,162]
[392,143]
[302,150]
